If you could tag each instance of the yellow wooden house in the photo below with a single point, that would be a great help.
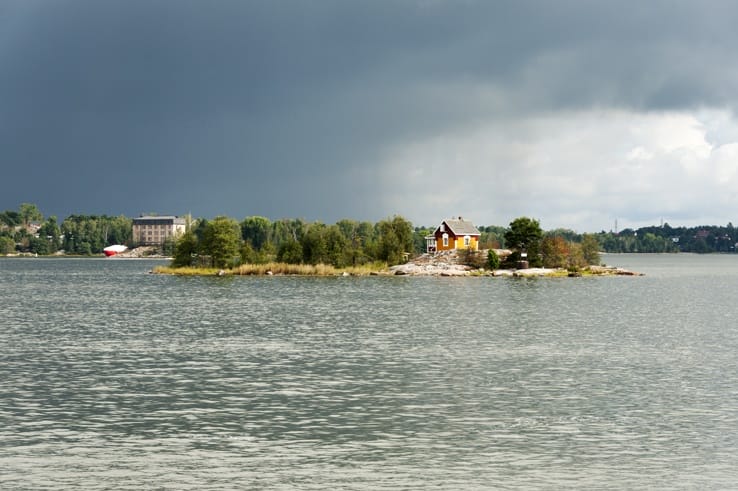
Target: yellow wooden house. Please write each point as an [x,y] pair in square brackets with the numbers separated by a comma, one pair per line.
[454,233]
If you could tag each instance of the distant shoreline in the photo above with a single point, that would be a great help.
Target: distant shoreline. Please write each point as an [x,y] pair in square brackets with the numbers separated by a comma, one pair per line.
[27,255]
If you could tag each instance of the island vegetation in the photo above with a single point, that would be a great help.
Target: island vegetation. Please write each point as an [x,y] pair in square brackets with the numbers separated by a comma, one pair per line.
[258,245]
[27,231]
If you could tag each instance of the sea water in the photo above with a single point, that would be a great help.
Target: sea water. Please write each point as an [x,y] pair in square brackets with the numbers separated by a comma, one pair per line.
[113,378]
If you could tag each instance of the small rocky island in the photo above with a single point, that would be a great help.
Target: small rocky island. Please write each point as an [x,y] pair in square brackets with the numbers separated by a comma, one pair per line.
[449,263]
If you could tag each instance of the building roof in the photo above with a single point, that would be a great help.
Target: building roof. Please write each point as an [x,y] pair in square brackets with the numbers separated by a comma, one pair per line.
[159,220]
[459,227]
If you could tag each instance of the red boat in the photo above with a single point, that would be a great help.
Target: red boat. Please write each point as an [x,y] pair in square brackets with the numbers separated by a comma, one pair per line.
[114,249]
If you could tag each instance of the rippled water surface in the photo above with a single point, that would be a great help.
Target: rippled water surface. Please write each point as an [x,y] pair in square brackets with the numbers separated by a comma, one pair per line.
[112,378]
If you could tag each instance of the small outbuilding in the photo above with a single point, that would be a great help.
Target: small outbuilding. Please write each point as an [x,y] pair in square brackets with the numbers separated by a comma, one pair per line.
[454,233]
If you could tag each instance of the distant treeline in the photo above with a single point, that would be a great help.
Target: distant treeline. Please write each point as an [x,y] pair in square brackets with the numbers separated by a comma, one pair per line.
[26,230]
[345,243]
[702,239]
[223,241]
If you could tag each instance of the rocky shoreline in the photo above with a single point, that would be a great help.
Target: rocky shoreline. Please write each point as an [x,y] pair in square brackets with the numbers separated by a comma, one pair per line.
[447,264]
[143,252]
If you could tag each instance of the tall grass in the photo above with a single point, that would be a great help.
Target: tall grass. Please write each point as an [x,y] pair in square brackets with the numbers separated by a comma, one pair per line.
[276,269]
[185,270]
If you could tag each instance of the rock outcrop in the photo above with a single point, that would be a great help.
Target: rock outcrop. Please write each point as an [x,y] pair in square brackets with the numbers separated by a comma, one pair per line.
[447,263]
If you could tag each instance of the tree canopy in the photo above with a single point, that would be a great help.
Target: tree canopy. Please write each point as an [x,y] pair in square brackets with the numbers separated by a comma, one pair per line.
[222,241]
[185,249]
[524,235]
[395,239]
[30,213]
[256,230]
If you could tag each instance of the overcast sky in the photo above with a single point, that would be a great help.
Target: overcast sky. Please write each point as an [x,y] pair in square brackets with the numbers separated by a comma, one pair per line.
[576,113]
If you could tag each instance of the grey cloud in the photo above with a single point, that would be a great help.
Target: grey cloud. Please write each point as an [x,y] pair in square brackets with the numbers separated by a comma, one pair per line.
[276,107]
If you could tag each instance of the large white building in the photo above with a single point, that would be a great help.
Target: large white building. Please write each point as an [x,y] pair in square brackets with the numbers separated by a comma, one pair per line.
[154,230]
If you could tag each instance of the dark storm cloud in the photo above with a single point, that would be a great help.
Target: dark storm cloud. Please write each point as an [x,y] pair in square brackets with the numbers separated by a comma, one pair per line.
[283,108]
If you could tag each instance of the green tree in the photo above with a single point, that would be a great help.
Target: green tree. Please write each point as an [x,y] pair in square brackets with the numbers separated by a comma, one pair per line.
[567,234]
[70,235]
[7,245]
[268,252]
[185,249]
[353,252]
[96,231]
[590,249]
[492,237]
[575,259]
[700,246]
[286,229]
[84,248]
[118,230]
[50,232]
[198,228]
[395,239]
[222,241]
[290,251]
[94,234]
[22,240]
[554,252]
[525,235]
[256,231]
[347,228]
[493,260]
[10,218]
[249,255]
[336,245]
[29,213]
[314,245]
[39,245]
[364,243]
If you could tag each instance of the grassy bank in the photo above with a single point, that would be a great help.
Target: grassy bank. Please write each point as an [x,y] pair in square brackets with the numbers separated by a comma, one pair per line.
[282,269]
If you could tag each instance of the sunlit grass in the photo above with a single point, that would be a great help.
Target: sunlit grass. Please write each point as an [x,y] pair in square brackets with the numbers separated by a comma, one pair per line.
[274,268]
[185,271]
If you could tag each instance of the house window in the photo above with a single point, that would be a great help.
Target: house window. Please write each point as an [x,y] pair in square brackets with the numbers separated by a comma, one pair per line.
[445,240]
[467,241]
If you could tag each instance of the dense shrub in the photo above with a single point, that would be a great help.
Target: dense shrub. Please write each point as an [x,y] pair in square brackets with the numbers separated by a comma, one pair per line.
[493,260]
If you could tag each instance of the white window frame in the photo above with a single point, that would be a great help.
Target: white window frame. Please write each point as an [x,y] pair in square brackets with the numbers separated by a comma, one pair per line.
[445,240]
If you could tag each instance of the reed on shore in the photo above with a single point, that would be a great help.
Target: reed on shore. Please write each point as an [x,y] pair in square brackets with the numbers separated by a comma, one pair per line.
[274,268]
